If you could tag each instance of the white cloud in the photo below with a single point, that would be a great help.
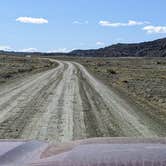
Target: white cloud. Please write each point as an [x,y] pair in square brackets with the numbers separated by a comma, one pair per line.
[99,43]
[5,48]
[29,50]
[119,24]
[32,20]
[80,22]
[63,50]
[155,29]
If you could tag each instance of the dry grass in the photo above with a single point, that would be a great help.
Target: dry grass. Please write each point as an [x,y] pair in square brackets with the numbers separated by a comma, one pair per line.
[141,80]
[13,66]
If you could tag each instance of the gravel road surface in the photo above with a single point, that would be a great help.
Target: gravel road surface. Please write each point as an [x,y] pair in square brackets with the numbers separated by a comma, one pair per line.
[68,103]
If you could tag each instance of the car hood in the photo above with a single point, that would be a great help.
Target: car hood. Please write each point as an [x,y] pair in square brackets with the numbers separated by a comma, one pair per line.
[91,152]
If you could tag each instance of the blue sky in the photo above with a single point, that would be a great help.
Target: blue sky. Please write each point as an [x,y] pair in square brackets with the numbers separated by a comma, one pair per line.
[63,25]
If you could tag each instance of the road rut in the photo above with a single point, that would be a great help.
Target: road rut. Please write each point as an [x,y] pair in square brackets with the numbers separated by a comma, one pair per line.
[67,103]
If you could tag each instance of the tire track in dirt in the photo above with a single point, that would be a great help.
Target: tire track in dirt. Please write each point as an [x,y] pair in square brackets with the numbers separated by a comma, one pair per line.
[112,114]
[22,108]
[66,103]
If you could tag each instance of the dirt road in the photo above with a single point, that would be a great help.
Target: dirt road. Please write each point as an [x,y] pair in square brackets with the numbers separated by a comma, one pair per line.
[68,103]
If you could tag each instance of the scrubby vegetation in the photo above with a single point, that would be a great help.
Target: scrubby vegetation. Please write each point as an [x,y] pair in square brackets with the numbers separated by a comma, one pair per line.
[111,71]
[140,80]
[13,66]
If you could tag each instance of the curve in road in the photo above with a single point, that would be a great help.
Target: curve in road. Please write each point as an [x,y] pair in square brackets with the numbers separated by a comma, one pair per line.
[67,103]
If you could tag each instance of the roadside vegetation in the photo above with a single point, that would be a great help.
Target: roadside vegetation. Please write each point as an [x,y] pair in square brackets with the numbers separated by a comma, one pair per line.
[13,66]
[141,81]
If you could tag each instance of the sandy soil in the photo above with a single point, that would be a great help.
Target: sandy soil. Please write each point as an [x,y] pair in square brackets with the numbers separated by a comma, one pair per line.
[68,103]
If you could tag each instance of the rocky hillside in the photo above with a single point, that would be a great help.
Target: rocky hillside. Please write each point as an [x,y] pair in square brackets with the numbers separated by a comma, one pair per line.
[155,48]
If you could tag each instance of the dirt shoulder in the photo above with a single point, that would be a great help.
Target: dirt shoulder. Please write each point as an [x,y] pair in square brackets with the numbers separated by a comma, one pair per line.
[141,81]
[13,67]
[68,103]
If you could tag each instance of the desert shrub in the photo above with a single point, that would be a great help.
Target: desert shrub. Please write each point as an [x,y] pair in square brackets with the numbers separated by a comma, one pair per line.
[111,71]
[100,64]
[125,81]
[159,63]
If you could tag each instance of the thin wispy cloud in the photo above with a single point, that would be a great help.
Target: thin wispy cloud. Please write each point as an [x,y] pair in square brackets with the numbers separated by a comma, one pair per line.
[32,20]
[99,43]
[120,24]
[29,50]
[5,48]
[155,29]
[63,50]
[80,22]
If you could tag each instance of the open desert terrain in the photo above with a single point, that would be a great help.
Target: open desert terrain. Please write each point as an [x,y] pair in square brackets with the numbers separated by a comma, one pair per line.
[84,97]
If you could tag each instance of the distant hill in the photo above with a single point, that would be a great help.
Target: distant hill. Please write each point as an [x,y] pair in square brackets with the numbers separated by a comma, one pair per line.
[32,53]
[155,48]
